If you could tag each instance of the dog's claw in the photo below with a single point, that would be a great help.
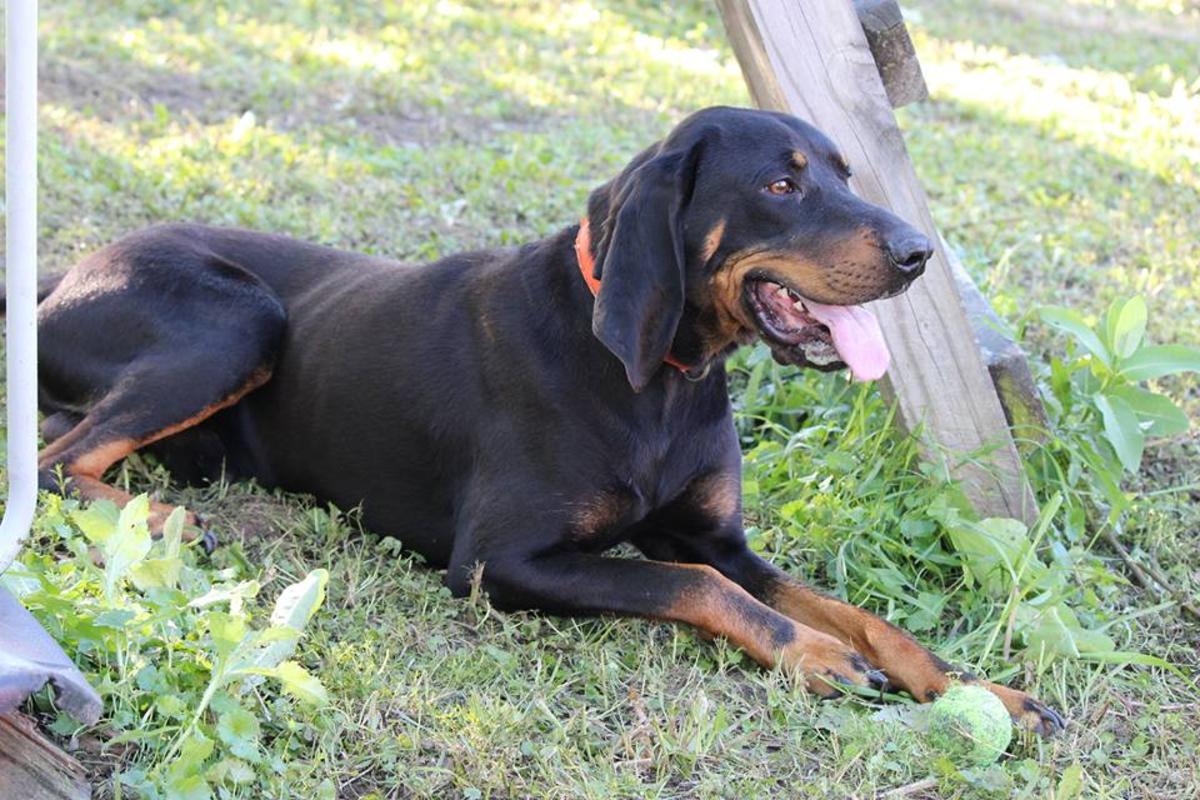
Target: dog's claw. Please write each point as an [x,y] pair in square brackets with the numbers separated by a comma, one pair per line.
[1041,719]
[878,680]
[208,541]
[864,676]
[827,686]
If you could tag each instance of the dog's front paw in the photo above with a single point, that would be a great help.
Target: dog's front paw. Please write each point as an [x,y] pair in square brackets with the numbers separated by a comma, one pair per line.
[1028,712]
[828,665]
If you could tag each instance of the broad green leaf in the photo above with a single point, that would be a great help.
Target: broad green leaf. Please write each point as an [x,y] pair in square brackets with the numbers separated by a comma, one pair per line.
[188,786]
[294,608]
[1156,361]
[297,681]
[298,602]
[184,774]
[1088,642]
[239,729]
[235,595]
[277,633]
[1051,636]
[171,705]
[128,544]
[1126,326]
[1121,429]
[1070,785]
[155,572]
[1164,417]
[1055,631]
[116,618]
[19,582]
[227,631]
[1070,322]
[134,515]
[172,537]
[992,549]
[232,771]
[98,521]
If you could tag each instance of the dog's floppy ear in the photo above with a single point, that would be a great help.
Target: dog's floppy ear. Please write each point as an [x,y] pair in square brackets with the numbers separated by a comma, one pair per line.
[641,260]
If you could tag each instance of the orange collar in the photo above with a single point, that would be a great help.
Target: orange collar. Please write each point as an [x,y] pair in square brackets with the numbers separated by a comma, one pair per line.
[587,266]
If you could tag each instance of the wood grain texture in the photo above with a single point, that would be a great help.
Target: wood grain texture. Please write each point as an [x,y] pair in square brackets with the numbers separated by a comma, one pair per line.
[893,51]
[812,60]
[32,768]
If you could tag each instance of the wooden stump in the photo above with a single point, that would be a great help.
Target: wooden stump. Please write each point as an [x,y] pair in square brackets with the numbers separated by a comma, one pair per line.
[32,768]
[1005,360]
[893,51]
[812,60]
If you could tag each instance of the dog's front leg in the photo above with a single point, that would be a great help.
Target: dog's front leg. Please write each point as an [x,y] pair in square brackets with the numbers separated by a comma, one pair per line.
[578,583]
[907,664]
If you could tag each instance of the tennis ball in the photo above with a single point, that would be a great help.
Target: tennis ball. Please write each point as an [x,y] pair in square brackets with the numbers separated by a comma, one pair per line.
[970,725]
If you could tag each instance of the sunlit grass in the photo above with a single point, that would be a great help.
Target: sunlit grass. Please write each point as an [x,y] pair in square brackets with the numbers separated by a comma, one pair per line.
[1095,107]
[1059,153]
[1075,179]
[1179,8]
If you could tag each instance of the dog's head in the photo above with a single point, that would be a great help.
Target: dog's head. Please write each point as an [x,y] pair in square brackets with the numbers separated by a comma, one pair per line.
[742,224]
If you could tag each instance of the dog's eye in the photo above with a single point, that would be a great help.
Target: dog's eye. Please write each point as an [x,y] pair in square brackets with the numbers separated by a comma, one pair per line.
[781,186]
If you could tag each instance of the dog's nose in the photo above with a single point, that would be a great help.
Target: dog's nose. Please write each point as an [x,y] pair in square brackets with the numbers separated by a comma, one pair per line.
[909,253]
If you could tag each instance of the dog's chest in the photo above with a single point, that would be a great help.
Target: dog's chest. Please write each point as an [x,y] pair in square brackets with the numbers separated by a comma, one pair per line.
[653,470]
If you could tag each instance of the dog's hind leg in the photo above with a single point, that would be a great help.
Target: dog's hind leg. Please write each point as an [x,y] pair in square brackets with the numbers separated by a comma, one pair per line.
[135,352]
[59,424]
[139,411]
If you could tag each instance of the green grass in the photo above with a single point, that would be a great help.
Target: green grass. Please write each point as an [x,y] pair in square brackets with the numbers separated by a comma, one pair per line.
[1060,152]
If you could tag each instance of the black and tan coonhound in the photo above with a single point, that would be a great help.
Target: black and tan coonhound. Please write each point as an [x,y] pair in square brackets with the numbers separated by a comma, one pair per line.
[522,409]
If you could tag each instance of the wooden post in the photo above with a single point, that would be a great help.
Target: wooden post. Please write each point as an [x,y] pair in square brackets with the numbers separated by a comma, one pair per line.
[893,51]
[1005,361]
[812,60]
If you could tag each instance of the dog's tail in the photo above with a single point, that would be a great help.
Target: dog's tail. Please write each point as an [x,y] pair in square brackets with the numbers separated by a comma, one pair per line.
[46,285]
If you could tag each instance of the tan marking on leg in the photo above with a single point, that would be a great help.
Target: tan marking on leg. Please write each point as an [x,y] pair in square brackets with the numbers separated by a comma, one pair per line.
[720,607]
[96,462]
[50,454]
[712,241]
[86,470]
[907,664]
[257,379]
[94,489]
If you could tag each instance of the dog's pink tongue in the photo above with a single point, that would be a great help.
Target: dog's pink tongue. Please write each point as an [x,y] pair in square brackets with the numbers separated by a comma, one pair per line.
[856,336]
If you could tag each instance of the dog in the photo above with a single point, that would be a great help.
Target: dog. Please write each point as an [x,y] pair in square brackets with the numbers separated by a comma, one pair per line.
[523,409]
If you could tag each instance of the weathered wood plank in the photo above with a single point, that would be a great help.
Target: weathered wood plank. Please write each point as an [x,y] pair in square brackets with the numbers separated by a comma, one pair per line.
[1006,362]
[893,51]
[812,59]
[32,768]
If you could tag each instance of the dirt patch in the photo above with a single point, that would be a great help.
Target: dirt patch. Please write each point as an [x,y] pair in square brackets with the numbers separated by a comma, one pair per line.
[113,94]
[113,97]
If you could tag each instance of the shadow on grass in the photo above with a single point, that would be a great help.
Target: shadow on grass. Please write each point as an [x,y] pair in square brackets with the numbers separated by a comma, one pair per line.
[1153,53]
[399,75]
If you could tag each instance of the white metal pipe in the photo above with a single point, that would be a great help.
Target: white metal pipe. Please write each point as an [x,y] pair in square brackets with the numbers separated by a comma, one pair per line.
[20,234]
